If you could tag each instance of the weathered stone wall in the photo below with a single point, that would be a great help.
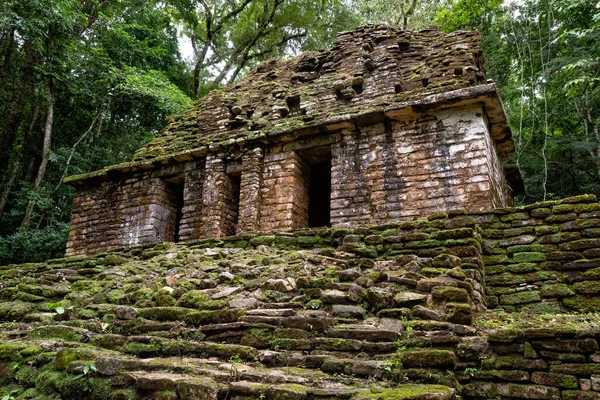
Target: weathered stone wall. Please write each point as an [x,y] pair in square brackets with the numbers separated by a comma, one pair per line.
[251,182]
[284,192]
[382,173]
[124,212]
[191,225]
[543,257]
[551,362]
[391,172]
[355,313]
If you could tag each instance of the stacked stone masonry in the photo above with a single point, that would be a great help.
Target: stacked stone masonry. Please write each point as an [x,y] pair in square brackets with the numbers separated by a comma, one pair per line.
[412,310]
[385,126]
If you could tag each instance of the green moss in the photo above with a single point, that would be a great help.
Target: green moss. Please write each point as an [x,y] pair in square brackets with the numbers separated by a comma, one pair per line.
[230,351]
[556,290]
[14,310]
[520,298]
[145,349]
[360,249]
[542,308]
[262,240]
[496,259]
[87,314]
[579,395]
[212,317]
[66,356]
[257,338]
[57,331]
[314,304]
[529,257]
[450,294]
[587,287]
[116,296]
[15,351]
[123,394]
[405,392]
[164,313]
[434,358]
[290,344]
[312,242]
[583,303]
[446,261]
[514,268]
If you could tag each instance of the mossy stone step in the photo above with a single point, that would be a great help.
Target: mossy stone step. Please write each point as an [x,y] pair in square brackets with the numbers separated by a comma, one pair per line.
[289,391]
[185,386]
[410,392]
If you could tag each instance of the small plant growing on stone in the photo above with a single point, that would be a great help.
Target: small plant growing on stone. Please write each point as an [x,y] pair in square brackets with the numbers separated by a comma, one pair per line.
[470,371]
[236,359]
[314,304]
[85,372]
[58,309]
[10,395]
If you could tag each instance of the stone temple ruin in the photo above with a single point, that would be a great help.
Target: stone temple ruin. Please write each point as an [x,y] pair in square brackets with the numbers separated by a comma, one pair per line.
[385,126]
[308,276]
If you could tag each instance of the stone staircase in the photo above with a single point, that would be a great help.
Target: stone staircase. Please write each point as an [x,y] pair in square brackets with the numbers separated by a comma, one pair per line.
[197,322]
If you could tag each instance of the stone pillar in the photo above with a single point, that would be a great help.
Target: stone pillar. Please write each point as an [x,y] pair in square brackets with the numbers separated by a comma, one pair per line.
[350,191]
[213,196]
[252,169]
[284,192]
[191,223]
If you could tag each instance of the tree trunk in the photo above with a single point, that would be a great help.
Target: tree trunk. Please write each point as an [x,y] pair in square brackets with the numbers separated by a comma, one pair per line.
[14,172]
[15,116]
[45,149]
[4,71]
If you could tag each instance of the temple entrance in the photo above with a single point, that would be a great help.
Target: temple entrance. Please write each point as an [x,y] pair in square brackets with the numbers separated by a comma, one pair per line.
[232,203]
[318,161]
[319,194]
[173,206]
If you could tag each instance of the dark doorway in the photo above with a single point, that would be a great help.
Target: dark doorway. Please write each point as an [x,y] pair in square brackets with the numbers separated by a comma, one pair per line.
[232,204]
[319,194]
[319,186]
[174,200]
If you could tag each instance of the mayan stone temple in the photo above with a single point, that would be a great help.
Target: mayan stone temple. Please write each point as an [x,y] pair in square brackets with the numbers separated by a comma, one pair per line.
[384,126]
[334,227]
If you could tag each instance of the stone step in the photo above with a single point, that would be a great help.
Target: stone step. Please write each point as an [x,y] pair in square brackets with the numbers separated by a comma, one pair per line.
[410,392]
[219,371]
[185,386]
[151,346]
[192,386]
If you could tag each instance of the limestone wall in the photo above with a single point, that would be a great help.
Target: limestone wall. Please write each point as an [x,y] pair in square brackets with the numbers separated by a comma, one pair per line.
[550,361]
[123,212]
[284,192]
[391,172]
[543,257]
[385,172]
[363,312]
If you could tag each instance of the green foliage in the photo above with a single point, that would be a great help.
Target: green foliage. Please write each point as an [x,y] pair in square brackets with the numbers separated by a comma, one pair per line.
[34,245]
[154,85]
[467,14]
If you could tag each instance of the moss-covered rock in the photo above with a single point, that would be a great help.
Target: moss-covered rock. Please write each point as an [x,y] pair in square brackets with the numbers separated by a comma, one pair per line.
[520,298]
[164,313]
[14,310]
[409,392]
[430,358]
[583,303]
[448,294]
[587,287]
[446,261]
[212,317]
[556,290]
